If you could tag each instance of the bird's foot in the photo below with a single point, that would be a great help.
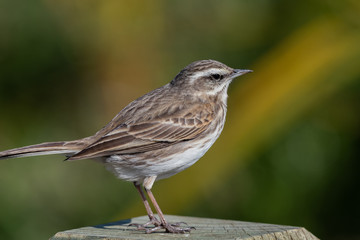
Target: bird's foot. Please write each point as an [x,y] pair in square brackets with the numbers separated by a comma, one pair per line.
[153,221]
[171,228]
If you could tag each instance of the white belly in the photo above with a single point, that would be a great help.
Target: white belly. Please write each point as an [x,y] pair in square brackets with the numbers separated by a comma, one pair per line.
[185,154]
[165,162]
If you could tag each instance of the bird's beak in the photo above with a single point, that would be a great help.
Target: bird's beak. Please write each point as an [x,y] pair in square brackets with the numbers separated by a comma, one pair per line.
[239,72]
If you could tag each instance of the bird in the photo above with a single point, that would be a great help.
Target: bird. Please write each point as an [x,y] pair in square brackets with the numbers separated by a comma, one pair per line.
[157,135]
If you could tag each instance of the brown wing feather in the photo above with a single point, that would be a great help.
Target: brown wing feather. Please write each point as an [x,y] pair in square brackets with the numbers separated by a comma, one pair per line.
[151,135]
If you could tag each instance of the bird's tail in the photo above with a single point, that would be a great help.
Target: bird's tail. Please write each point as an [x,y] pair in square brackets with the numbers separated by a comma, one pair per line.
[67,147]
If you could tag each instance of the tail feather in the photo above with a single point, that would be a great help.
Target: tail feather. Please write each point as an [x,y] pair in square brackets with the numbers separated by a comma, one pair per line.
[48,148]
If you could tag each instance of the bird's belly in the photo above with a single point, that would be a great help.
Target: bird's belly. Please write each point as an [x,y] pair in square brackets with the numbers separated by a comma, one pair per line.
[182,160]
[162,163]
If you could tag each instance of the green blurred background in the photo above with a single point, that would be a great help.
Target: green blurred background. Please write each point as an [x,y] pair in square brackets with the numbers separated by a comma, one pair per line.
[289,153]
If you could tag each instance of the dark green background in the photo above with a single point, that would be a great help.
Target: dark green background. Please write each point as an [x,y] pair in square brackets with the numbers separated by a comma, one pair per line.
[67,67]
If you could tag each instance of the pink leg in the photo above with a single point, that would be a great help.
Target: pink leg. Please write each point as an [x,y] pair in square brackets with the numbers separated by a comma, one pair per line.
[171,228]
[153,219]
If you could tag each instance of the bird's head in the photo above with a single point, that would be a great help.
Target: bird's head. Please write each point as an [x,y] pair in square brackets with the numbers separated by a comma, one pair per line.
[207,76]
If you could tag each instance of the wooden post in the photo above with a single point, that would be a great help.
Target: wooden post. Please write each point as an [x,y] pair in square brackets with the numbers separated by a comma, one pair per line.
[206,228]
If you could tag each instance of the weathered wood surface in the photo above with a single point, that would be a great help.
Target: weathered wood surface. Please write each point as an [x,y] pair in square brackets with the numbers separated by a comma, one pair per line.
[206,228]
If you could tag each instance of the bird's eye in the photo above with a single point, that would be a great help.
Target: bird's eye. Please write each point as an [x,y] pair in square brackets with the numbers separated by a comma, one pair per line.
[216,76]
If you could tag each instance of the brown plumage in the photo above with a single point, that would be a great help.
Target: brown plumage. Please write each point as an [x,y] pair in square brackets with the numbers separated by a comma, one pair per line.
[164,128]
[158,134]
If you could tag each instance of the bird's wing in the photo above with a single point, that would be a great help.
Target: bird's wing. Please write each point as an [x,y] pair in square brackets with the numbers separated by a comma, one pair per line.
[151,135]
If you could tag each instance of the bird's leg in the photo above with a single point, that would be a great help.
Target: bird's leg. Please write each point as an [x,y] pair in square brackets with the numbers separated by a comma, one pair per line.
[171,228]
[162,224]
[153,219]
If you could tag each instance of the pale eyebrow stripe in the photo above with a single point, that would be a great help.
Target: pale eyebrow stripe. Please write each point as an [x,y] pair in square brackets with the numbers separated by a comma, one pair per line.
[207,72]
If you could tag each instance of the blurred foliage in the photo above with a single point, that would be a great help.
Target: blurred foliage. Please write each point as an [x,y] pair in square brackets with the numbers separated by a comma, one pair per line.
[289,151]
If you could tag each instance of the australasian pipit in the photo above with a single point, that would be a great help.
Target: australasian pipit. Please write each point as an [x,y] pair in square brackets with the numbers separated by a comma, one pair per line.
[157,135]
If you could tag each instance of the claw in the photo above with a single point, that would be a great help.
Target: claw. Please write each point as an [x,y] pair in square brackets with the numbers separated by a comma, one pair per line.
[154,221]
[170,228]
[177,224]
[151,230]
